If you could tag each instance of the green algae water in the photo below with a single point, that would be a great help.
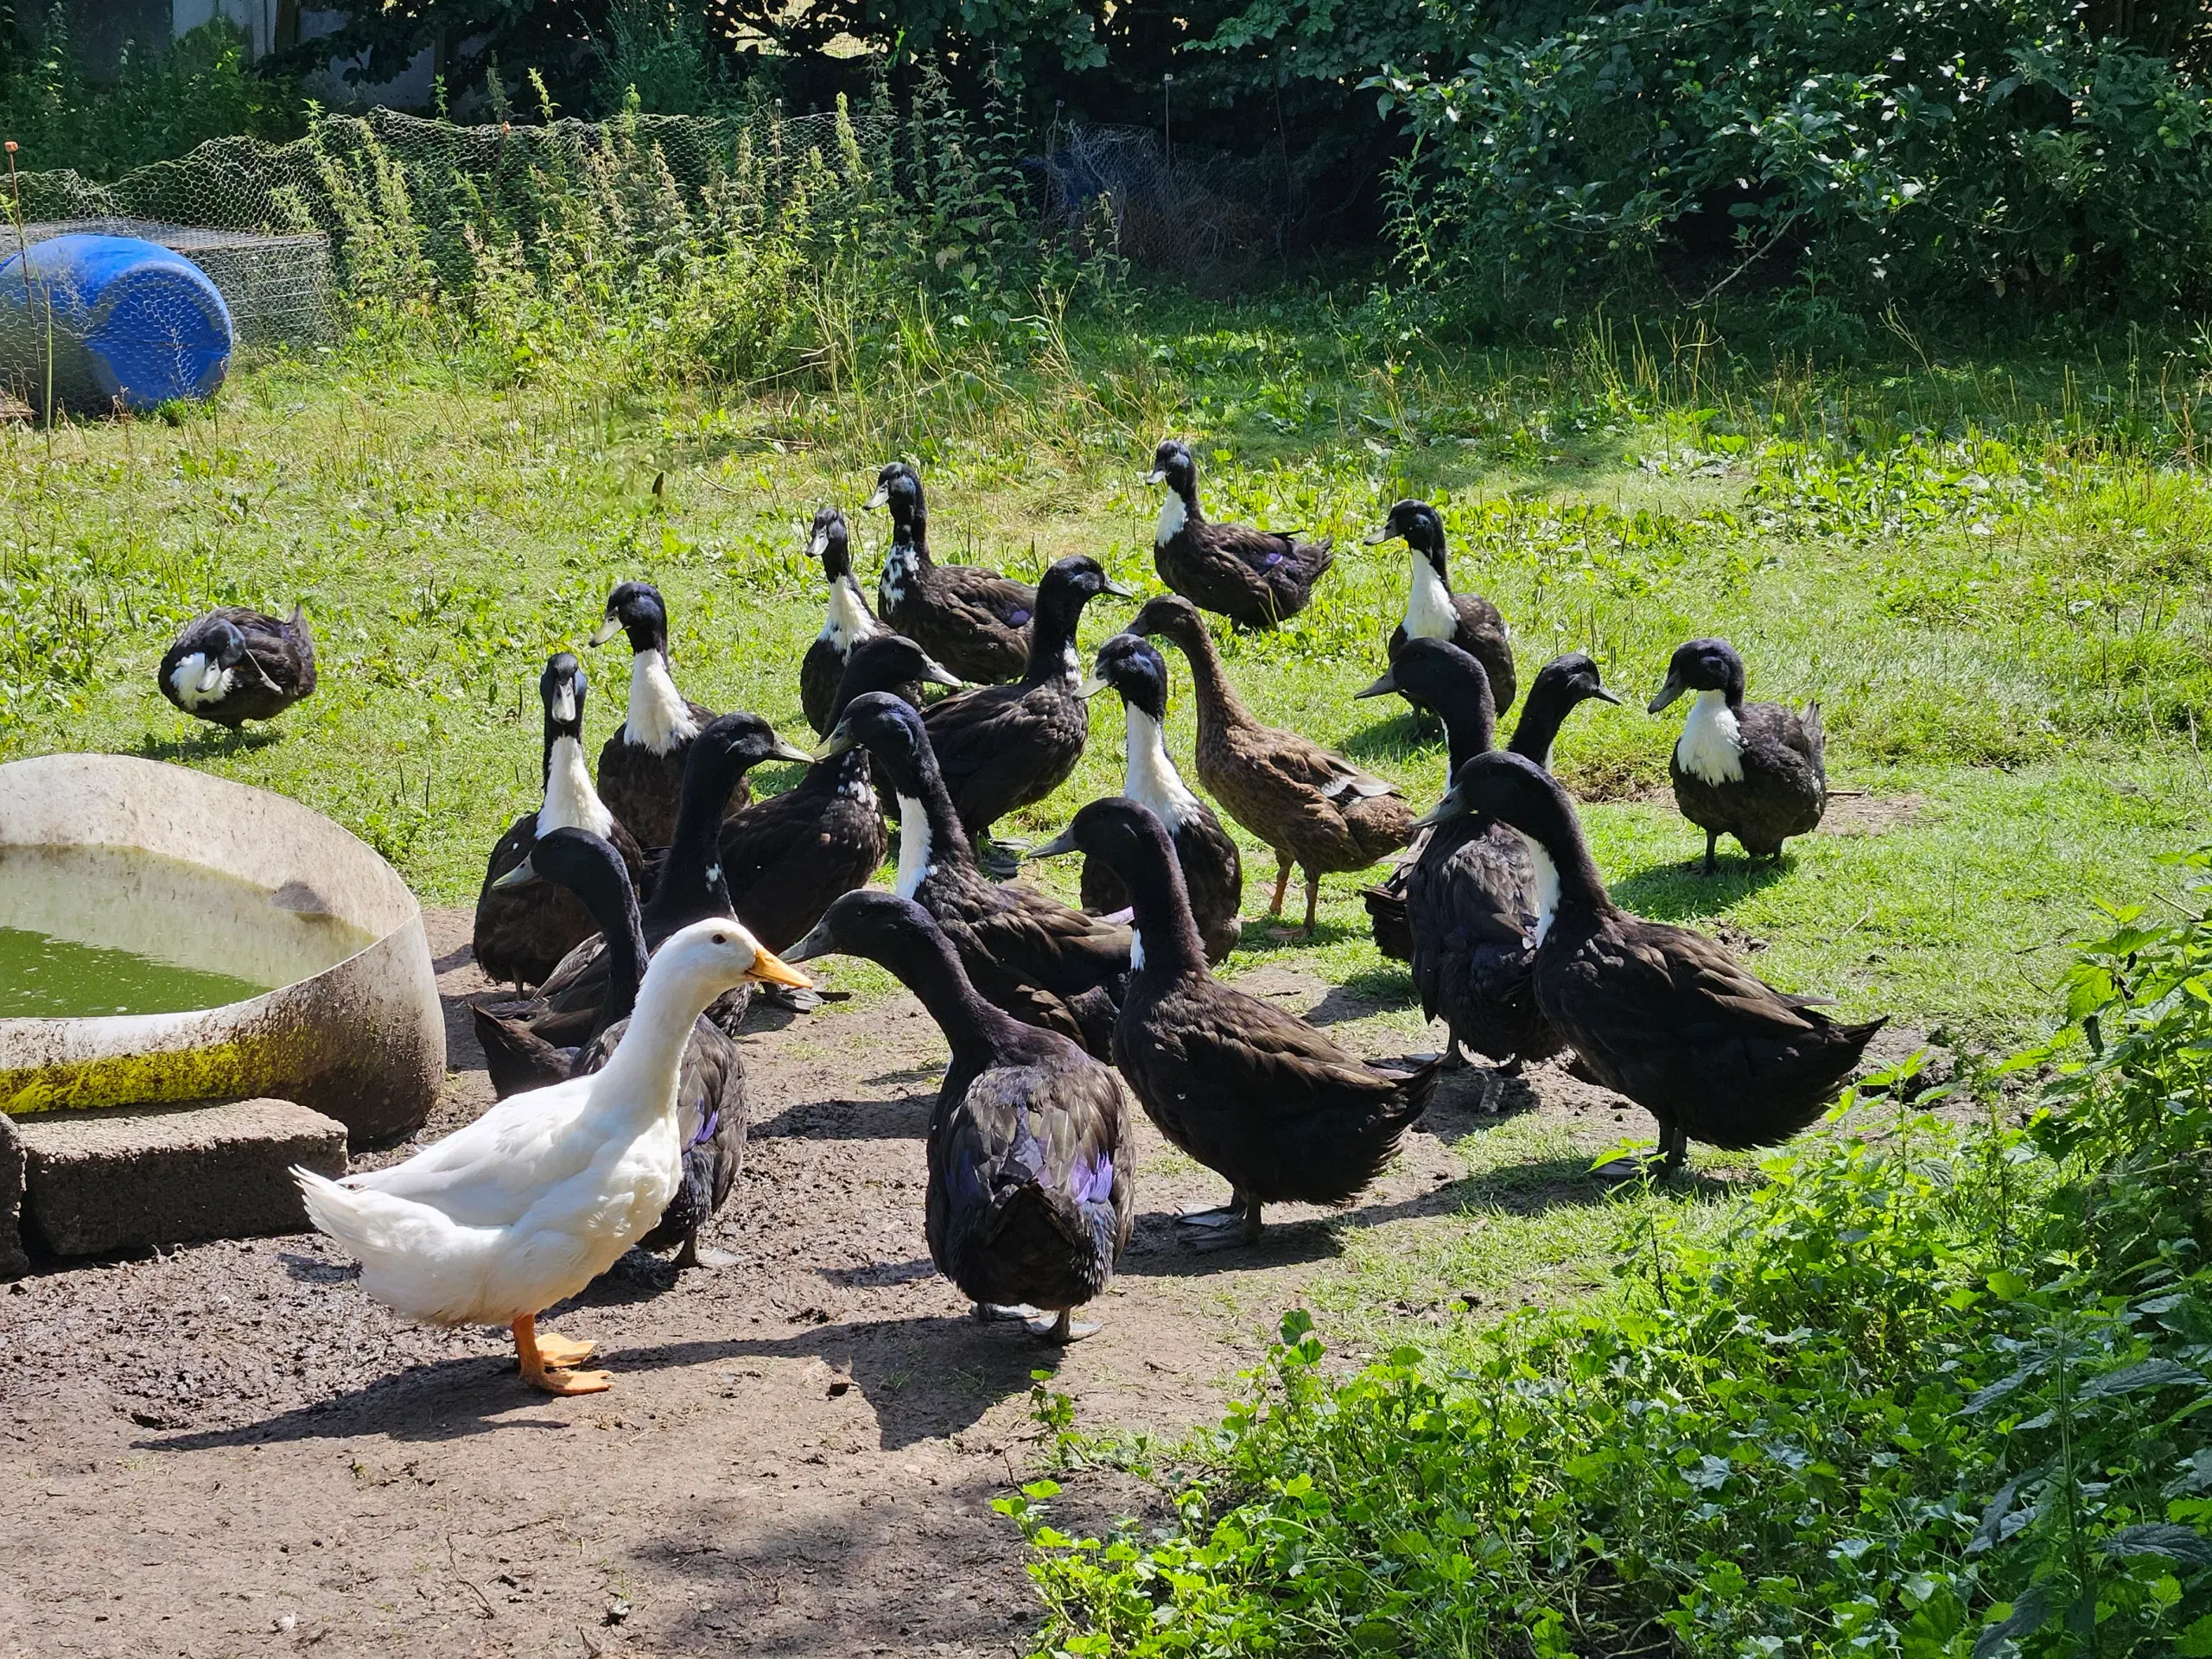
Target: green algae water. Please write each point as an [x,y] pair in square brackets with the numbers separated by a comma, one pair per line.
[95,930]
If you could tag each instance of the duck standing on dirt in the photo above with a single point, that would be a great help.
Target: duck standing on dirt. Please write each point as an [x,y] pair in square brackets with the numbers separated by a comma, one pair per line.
[1030,1197]
[1317,810]
[532,1202]
[1213,869]
[527,1045]
[1257,578]
[641,766]
[234,665]
[1026,952]
[521,936]
[848,624]
[1251,1092]
[973,620]
[1002,747]
[1751,770]
[1660,1014]
[1435,611]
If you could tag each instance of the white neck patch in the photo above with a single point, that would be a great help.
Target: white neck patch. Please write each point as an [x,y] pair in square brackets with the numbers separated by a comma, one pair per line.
[1151,780]
[1546,885]
[1136,951]
[849,622]
[660,719]
[1711,747]
[898,570]
[914,866]
[571,802]
[199,681]
[1430,613]
[1172,513]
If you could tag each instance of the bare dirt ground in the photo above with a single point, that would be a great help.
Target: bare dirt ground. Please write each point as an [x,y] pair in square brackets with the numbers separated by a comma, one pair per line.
[230,1450]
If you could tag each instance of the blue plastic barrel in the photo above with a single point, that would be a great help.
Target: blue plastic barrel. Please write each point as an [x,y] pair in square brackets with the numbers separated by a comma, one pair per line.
[116,318]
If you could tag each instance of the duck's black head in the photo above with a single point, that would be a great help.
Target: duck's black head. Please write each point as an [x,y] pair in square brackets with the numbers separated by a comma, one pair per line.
[1439,674]
[891,729]
[219,641]
[586,864]
[1126,836]
[1419,526]
[1702,666]
[899,488]
[1172,465]
[832,544]
[726,749]
[635,609]
[1133,668]
[1172,617]
[884,662]
[869,922]
[1515,790]
[1561,686]
[561,688]
[1073,582]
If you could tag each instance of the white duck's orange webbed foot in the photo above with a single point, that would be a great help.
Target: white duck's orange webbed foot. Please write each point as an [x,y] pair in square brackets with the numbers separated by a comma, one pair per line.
[539,1368]
[559,1350]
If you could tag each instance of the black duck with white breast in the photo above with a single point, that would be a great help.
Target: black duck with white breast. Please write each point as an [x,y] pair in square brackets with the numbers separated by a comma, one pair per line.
[1443,677]
[233,664]
[1435,611]
[1257,578]
[1026,952]
[527,1045]
[521,935]
[1754,771]
[1253,1093]
[1660,1014]
[641,766]
[973,620]
[848,623]
[1001,747]
[1314,808]
[786,857]
[1213,869]
[1030,1193]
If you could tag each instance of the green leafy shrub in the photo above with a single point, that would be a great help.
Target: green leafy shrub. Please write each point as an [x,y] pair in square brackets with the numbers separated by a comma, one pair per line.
[1936,1391]
[1952,155]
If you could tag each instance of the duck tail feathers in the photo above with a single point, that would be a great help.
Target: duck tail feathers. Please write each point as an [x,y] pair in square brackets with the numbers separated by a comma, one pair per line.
[413,1258]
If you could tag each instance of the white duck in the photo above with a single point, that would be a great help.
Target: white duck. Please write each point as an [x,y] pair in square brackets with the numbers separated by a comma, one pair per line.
[538,1197]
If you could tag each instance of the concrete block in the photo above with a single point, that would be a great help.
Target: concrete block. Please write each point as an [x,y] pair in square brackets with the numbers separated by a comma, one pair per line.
[14,1264]
[130,1176]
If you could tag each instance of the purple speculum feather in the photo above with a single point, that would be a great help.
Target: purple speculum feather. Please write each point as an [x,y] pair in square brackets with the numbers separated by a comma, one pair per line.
[707,1129]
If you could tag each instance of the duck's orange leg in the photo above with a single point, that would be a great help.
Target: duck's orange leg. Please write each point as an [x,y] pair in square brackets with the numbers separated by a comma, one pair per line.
[1282,884]
[541,1370]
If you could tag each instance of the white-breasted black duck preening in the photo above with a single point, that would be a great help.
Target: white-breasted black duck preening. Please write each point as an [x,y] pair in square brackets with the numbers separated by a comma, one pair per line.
[1755,771]
[1257,578]
[973,620]
[1030,1192]
[1253,1093]
[1435,611]
[641,766]
[233,664]
[1660,1014]
[535,1200]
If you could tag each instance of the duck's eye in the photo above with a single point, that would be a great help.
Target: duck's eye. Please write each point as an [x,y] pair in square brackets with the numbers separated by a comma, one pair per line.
[721,938]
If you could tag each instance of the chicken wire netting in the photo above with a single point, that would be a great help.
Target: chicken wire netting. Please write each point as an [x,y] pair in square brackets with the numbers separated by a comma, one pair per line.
[1170,207]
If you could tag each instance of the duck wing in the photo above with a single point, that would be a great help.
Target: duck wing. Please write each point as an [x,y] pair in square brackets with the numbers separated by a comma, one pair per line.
[1471,910]
[711,1121]
[490,1172]
[986,594]
[787,857]
[518,1058]
[1057,946]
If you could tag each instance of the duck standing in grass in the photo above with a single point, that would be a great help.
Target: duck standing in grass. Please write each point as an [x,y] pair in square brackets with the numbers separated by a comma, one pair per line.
[1317,810]
[1030,1197]
[1002,747]
[784,858]
[973,620]
[1257,578]
[641,766]
[1751,770]
[849,622]
[535,1200]
[1435,611]
[1025,951]
[234,665]
[1213,869]
[1250,1091]
[527,1045]
[520,936]
[1443,678]
[1660,1014]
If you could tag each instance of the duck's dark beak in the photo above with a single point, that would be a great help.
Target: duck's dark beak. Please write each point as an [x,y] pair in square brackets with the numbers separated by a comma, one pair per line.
[783,751]
[607,630]
[938,674]
[771,969]
[1382,688]
[1117,590]
[1445,810]
[1604,696]
[1668,693]
[882,494]
[1059,846]
[521,876]
[1385,534]
[836,744]
[1155,476]
[816,943]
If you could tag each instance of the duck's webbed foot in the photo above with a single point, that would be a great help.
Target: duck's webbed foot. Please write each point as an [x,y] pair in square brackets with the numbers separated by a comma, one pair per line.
[1236,1223]
[1002,1312]
[545,1360]
[1062,1327]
